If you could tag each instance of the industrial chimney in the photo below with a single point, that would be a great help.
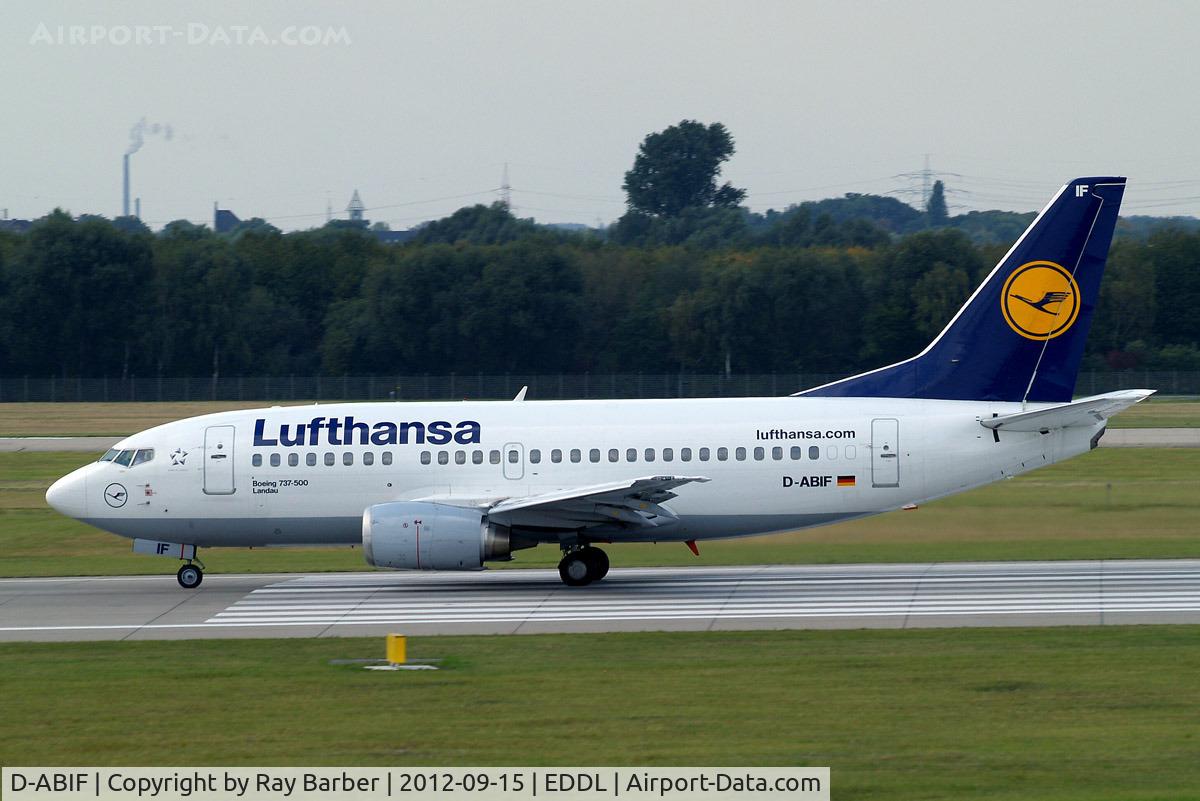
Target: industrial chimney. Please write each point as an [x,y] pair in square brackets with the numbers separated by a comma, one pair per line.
[125,194]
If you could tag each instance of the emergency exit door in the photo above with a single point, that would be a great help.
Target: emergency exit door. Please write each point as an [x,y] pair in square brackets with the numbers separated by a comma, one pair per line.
[885,453]
[514,461]
[218,460]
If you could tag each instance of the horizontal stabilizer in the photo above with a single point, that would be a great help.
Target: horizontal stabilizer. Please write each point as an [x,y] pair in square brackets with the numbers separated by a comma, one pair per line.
[1084,412]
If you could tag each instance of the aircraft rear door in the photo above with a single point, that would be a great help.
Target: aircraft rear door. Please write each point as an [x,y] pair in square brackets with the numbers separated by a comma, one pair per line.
[218,460]
[885,452]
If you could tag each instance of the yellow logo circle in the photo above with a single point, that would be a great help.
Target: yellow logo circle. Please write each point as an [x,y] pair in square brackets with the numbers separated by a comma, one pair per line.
[1040,300]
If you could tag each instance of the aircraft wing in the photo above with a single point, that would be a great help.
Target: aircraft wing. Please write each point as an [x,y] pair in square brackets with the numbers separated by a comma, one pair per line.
[1083,412]
[636,502]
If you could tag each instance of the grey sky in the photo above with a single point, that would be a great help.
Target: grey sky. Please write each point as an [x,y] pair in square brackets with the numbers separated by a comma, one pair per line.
[428,100]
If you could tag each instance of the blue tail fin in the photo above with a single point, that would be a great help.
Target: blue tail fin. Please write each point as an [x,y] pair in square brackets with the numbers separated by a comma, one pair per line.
[1020,336]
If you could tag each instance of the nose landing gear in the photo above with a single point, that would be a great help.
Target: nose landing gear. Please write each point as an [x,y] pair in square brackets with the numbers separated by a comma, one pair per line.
[583,565]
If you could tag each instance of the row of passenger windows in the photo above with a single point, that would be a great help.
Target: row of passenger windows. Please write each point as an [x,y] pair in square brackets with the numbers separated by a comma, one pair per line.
[330,459]
[557,455]
[777,453]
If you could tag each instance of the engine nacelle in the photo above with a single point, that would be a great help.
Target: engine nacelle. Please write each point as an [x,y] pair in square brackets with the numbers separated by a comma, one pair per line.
[431,536]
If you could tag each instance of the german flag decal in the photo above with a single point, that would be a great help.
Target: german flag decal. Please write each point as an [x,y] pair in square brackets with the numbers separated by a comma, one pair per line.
[845,481]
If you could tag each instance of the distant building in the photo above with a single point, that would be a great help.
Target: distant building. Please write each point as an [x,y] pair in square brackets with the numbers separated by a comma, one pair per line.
[14,225]
[393,237]
[224,220]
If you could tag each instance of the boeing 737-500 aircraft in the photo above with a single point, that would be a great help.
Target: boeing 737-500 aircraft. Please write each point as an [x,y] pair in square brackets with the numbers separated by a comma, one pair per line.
[451,486]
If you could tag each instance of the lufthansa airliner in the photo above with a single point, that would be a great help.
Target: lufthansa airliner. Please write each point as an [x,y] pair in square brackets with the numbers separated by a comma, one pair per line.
[452,486]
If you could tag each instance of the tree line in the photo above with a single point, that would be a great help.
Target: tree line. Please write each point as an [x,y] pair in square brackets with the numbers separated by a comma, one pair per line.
[485,291]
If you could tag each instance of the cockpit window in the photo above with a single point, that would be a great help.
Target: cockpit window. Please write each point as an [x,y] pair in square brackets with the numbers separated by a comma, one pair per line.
[143,455]
[108,457]
[124,458]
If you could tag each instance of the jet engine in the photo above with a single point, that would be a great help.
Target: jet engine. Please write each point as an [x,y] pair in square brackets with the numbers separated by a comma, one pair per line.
[432,536]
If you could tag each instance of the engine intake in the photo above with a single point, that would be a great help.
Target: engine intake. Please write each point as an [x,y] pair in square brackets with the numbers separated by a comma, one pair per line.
[431,536]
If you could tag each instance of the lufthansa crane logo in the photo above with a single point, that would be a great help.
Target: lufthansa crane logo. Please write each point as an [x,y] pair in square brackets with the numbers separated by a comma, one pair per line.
[1040,300]
[115,495]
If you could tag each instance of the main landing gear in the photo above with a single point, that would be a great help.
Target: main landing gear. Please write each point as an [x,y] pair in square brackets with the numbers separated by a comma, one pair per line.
[582,565]
[190,575]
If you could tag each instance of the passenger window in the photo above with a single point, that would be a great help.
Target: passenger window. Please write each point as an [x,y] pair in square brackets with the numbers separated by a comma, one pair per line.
[614,455]
[108,457]
[443,457]
[831,451]
[796,452]
[293,459]
[851,452]
[348,458]
[256,460]
[668,455]
[722,454]
[685,454]
[535,456]
[310,459]
[649,454]
[777,453]
[142,456]
[426,457]
[274,460]
[460,457]
[594,455]
[329,460]
[476,457]
[124,458]
[814,452]
[704,454]
[368,458]
[387,457]
[576,456]
[514,456]
[759,454]
[494,457]
[630,455]
[740,454]
[556,455]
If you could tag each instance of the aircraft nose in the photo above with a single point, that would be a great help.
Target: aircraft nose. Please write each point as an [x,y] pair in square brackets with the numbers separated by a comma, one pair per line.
[68,495]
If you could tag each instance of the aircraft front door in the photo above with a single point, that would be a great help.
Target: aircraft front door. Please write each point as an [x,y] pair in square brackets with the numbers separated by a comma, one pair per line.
[885,453]
[218,460]
[514,460]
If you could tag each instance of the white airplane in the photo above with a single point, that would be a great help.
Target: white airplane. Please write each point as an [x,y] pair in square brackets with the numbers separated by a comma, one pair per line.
[450,486]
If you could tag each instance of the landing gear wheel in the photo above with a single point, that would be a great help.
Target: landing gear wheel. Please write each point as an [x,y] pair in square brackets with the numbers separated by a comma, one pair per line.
[575,570]
[597,562]
[190,577]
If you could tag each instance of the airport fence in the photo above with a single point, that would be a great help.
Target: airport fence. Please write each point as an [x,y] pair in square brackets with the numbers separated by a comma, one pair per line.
[559,386]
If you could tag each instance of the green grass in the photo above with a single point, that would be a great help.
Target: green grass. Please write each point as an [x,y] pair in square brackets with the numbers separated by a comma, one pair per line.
[1070,713]
[1164,413]
[1108,504]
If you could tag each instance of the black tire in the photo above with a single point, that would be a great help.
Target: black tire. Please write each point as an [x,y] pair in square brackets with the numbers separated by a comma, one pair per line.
[189,577]
[575,570]
[597,561]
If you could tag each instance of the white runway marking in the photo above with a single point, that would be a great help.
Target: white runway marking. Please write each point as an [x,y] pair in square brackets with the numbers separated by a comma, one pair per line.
[778,593]
[517,601]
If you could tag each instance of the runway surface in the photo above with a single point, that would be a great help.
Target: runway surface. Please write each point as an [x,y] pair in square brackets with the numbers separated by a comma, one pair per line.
[635,599]
[1113,438]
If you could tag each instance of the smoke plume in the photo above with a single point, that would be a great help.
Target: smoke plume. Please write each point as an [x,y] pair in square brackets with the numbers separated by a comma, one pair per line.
[141,129]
